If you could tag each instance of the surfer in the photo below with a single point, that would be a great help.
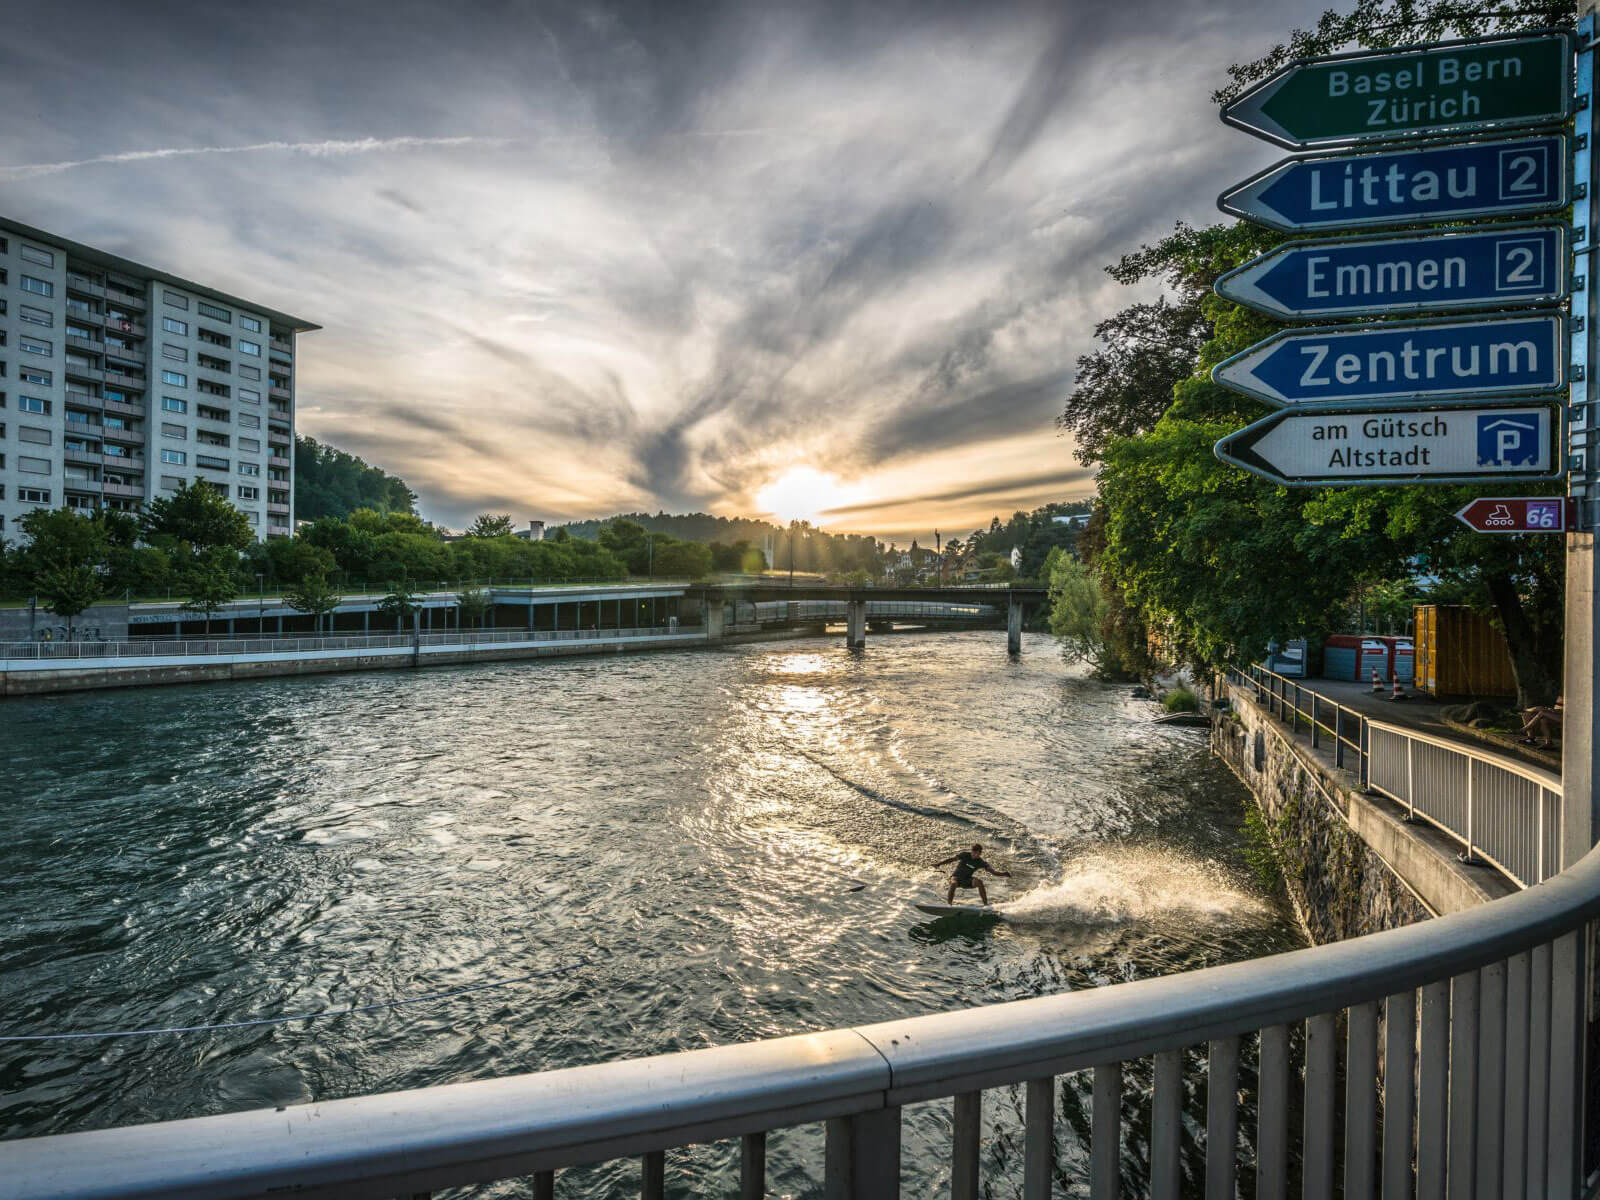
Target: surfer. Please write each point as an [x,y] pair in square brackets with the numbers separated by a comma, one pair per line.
[968,862]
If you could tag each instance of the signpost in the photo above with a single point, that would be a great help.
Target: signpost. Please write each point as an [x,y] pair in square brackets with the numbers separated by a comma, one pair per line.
[1420,91]
[1480,268]
[1402,361]
[1340,444]
[1511,177]
[1515,514]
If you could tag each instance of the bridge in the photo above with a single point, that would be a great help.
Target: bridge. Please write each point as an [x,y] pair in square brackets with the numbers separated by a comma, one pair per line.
[859,605]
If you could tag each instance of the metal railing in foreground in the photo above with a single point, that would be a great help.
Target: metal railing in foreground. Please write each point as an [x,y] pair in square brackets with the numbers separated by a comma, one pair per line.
[1502,811]
[1480,1016]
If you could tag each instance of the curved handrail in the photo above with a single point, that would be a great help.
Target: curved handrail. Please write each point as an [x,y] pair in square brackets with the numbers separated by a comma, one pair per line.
[1542,776]
[489,1129]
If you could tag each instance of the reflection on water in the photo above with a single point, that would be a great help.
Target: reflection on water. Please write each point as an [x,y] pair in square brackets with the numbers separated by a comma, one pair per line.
[703,848]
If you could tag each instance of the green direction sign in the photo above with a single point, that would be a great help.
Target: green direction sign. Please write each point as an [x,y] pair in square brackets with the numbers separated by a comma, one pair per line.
[1421,91]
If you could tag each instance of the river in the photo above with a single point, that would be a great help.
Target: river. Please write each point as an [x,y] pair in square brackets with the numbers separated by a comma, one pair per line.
[687,849]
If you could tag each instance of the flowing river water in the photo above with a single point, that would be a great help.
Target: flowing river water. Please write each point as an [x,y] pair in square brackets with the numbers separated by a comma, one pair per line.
[690,849]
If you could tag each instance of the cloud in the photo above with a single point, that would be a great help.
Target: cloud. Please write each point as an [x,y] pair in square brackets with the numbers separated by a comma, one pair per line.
[324,149]
[572,260]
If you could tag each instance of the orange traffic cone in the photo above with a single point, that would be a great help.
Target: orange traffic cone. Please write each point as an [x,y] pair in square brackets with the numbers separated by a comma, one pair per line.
[1377,684]
[1397,693]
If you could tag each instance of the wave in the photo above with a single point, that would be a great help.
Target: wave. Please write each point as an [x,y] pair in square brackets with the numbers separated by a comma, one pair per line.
[1134,884]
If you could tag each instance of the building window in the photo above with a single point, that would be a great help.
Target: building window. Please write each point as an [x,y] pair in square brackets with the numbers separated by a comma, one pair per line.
[36,316]
[249,421]
[176,432]
[171,482]
[249,493]
[175,353]
[246,371]
[173,325]
[210,463]
[34,405]
[175,378]
[212,363]
[33,466]
[35,346]
[249,395]
[251,444]
[249,468]
[34,495]
[215,313]
[251,324]
[35,375]
[37,254]
[31,433]
[39,287]
[173,404]
[176,457]
[174,299]
[251,348]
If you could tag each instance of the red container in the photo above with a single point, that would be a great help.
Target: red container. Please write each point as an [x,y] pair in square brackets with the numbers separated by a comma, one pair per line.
[1352,656]
[1402,658]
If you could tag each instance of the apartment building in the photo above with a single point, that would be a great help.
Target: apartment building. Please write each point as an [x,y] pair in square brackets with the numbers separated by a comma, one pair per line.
[119,382]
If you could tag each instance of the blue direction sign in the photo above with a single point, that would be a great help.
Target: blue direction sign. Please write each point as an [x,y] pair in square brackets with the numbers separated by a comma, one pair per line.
[1400,187]
[1402,361]
[1500,267]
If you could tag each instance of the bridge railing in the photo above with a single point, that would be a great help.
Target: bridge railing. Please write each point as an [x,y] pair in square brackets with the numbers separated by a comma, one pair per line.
[1502,811]
[1480,1019]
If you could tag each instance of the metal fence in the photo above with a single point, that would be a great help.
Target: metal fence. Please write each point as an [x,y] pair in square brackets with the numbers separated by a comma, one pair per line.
[1480,1019]
[1501,811]
[244,647]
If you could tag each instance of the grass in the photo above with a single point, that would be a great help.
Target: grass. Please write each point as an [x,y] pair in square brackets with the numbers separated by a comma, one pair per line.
[1180,700]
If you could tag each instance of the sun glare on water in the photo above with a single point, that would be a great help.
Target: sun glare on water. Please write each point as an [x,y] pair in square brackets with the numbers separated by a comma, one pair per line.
[802,494]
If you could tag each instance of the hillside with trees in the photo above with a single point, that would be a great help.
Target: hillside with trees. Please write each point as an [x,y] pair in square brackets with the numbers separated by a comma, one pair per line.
[330,483]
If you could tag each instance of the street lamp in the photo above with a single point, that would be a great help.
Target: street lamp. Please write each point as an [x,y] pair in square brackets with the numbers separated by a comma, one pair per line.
[261,604]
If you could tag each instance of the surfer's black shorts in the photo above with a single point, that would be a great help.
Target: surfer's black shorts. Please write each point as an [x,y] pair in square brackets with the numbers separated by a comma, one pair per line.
[964,881]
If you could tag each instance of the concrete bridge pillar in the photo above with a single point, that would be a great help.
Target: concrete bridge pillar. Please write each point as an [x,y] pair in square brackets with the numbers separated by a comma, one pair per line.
[856,624]
[1013,626]
[716,613]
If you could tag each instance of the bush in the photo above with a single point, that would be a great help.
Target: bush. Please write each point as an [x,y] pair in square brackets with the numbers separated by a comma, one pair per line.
[1180,700]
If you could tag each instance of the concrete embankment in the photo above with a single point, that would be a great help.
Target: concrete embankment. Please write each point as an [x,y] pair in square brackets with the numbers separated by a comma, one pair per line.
[1352,864]
[24,677]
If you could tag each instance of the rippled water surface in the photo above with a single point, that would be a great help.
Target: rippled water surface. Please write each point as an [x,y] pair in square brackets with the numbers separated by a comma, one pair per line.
[677,838]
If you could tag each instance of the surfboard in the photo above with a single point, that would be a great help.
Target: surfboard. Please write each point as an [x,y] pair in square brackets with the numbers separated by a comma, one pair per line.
[982,912]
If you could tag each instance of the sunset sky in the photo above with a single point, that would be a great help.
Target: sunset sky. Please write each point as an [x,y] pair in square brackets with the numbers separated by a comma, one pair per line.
[802,259]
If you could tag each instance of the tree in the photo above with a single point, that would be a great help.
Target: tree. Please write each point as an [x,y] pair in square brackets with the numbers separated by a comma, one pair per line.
[488,525]
[313,595]
[399,603]
[330,483]
[210,582]
[64,560]
[198,515]
[473,605]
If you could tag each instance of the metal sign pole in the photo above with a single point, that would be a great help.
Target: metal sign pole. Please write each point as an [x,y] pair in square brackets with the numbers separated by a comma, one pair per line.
[1580,769]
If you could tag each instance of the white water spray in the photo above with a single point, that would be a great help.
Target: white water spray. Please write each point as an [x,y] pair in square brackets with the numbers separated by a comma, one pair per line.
[1124,885]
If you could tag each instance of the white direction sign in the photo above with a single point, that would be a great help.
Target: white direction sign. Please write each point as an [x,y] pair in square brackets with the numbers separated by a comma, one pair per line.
[1329,444]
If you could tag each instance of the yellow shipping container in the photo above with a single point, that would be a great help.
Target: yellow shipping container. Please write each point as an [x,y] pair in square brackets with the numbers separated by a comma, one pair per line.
[1460,654]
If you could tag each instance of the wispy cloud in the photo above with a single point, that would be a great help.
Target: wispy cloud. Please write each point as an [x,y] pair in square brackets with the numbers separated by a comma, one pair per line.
[324,149]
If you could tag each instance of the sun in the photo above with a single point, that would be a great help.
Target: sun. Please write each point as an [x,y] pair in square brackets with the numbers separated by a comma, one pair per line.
[802,494]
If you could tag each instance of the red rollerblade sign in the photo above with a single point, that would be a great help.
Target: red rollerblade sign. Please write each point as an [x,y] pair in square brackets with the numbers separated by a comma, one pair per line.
[1516,514]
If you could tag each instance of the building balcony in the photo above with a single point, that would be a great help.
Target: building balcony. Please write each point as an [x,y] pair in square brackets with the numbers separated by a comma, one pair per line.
[127,354]
[88,458]
[92,345]
[129,299]
[124,325]
[75,371]
[278,509]
[78,283]
[90,486]
[133,437]
[277,460]
[84,399]
[280,393]
[118,379]
[123,408]
[133,491]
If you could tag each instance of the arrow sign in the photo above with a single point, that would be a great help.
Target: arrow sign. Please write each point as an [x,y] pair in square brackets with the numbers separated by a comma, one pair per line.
[1498,268]
[1444,88]
[1403,360]
[1517,176]
[1515,514]
[1369,445]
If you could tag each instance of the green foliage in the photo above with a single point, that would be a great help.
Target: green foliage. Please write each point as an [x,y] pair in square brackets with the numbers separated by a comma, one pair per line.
[1078,613]
[473,605]
[313,596]
[1259,851]
[210,581]
[197,516]
[488,525]
[1181,700]
[62,563]
[331,483]
[399,603]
